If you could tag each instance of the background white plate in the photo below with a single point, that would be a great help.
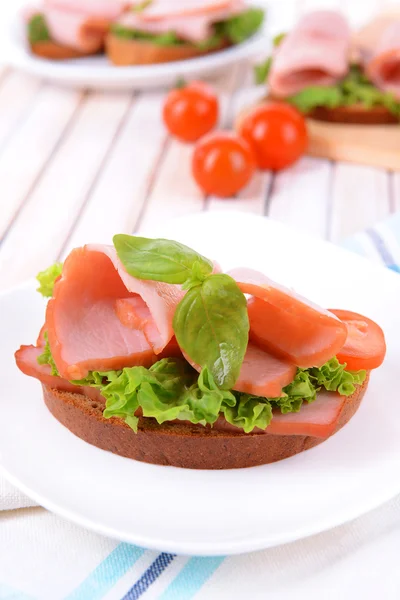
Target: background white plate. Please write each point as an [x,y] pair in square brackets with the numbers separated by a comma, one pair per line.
[96,72]
[216,512]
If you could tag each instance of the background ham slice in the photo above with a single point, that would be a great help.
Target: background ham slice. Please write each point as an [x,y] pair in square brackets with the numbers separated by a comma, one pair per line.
[384,66]
[191,21]
[80,25]
[288,325]
[315,52]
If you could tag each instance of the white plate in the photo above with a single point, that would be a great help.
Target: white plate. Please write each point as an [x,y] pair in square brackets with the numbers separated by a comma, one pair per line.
[216,512]
[97,73]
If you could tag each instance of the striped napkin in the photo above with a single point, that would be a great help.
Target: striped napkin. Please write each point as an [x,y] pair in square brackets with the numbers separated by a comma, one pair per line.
[44,557]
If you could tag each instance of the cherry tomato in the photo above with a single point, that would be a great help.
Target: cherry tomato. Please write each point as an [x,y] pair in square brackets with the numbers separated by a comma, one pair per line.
[277,134]
[191,111]
[222,163]
[365,346]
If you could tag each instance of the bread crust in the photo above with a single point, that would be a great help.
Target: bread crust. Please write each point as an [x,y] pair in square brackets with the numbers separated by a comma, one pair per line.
[354,115]
[123,52]
[54,51]
[181,444]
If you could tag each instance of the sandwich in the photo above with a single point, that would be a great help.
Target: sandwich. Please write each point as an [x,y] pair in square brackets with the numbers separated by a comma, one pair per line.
[331,74]
[67,29]
[140,32]
[159,31]
[149,351]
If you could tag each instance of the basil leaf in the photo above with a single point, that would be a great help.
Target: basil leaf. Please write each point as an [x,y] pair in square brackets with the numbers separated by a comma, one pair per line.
[212,326]
[161,260]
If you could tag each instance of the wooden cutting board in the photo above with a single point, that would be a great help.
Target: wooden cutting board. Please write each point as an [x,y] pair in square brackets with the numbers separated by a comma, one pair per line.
[374,145]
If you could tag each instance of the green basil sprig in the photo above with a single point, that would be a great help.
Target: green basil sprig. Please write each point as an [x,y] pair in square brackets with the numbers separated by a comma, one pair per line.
[211,322]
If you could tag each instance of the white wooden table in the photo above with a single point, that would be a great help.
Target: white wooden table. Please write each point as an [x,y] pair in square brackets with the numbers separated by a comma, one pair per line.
[77,167]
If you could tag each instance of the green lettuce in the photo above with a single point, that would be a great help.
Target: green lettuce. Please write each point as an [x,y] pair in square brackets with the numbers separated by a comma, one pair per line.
[241,27]
[46,358]
[237,29]
[38,30]
[355,88]
[47,279]
[171,389]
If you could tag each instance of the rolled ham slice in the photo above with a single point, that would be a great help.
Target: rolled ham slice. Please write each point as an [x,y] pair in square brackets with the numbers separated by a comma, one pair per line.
[288,325]
[80,25]
[315,52]
[383,68]
[192,21]
[83,322]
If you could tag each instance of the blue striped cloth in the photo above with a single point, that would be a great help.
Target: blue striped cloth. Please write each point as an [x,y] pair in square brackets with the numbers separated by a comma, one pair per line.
[182,578]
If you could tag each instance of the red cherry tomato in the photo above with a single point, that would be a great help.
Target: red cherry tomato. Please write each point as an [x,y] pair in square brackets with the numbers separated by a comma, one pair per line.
[222,163]
[191,111]
[365,346]
[277,134]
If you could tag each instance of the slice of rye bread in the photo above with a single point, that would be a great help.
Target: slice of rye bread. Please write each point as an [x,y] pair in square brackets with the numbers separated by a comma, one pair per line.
[123,52]
[54,51]
[182,444]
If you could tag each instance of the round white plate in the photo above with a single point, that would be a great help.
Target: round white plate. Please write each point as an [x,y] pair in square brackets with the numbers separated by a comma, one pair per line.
[216,512]
[97,73]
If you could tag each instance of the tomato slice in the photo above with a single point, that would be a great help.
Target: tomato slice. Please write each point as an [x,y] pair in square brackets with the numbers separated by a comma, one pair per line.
[365,346]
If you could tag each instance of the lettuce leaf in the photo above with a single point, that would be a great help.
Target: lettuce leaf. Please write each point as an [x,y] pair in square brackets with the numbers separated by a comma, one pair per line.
[248,412]
[47,279]
[38,30]
[164,39]
[239,28]
[46,358]
[334,377]
[171,389]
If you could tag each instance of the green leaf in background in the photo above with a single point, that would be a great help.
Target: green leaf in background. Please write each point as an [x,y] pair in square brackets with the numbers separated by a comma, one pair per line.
[212,326]
[311,97]
[278,39]
[168,38]
[141,6]
[47,279]
[242,26]
[46,358]
[161,260]
[261,71]
[38,30]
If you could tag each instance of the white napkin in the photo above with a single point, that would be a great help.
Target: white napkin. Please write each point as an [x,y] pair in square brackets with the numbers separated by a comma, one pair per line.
[11,498]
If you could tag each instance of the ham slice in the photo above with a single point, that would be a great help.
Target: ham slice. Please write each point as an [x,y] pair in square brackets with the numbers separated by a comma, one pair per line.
[261,374]
[81,25]
[288,325]
[315,52]
[82,320]
[26,359]
[319,418]
[191,21]
[383,68]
